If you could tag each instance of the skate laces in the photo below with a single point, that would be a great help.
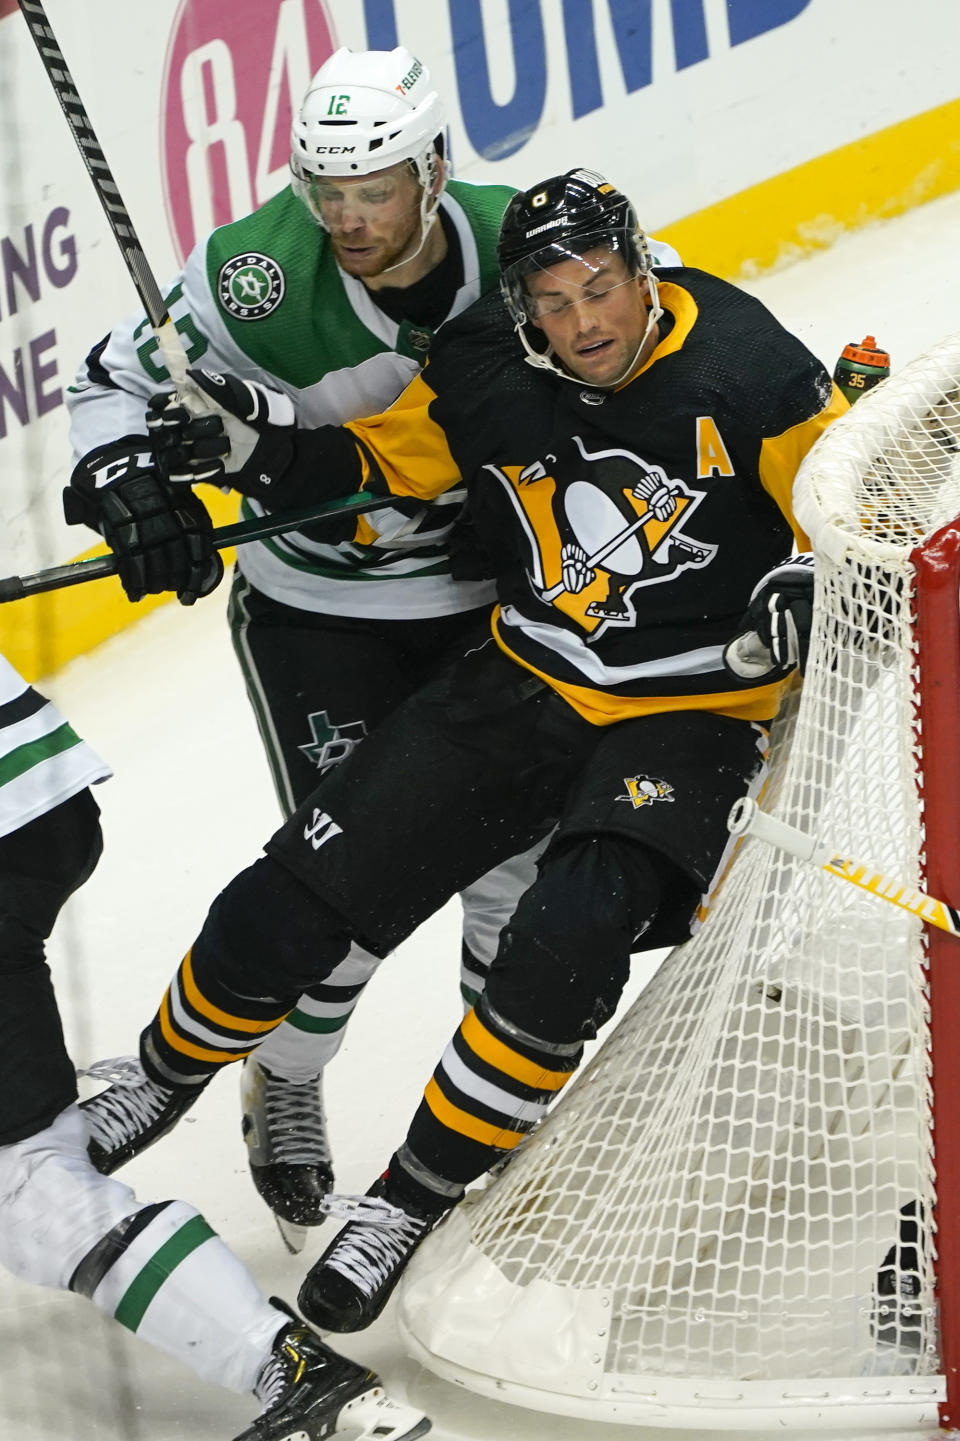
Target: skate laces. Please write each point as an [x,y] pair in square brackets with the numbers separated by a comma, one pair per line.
[280,1369]
[118,1070]
[367,1251]
[296,1128]
[271,1383]
[122,1112]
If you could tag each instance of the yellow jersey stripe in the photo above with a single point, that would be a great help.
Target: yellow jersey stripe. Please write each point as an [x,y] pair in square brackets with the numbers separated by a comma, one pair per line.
[409,446]
[602,708]
[780,457]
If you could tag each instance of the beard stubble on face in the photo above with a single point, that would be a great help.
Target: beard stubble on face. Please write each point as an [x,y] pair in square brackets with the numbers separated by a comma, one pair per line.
[366,256]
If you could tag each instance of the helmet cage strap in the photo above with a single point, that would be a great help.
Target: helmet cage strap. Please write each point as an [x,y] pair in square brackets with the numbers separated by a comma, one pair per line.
[427,166]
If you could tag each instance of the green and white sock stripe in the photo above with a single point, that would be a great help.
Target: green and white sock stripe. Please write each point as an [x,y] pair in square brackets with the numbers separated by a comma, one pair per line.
[329,1006]
[143,1261]
[165,1274]
[323,1017]
[312,1034]
[42,759]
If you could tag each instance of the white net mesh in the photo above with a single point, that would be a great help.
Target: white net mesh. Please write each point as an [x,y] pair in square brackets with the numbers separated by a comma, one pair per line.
[701,1220]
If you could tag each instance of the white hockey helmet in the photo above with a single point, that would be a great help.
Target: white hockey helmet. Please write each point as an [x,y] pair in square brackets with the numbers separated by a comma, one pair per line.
[366,110]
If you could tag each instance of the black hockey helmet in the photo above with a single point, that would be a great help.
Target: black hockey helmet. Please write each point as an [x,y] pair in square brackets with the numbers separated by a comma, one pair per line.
[560,218]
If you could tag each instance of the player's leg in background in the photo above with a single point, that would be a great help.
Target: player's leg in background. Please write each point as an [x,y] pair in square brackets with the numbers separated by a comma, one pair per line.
[61,1223]
[460,776]
[41,864]
[156,1268]
[631,858]
[318,684]
[488,905]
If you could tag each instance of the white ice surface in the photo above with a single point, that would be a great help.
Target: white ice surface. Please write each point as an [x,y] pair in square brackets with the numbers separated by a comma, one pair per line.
[190,804]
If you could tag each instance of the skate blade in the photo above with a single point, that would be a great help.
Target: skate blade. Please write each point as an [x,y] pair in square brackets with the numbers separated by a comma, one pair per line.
[293,1237]
[381,1419]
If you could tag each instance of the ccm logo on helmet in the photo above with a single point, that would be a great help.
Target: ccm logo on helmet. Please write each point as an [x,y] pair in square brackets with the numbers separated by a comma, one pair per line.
[334,149]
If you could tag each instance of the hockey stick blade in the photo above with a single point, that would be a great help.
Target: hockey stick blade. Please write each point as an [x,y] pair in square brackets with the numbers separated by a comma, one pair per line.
[747,819]
[56,577]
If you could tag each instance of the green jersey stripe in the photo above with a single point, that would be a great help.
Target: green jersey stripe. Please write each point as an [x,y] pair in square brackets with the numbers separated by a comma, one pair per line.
[32,753]
[337,572]
[158,1270]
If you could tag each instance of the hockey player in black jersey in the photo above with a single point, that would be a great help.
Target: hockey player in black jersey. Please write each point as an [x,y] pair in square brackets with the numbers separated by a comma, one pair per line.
[629,439]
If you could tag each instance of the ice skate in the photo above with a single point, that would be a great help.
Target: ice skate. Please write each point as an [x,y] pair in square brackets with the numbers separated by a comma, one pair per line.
[131,1113]
[311,1393]
[286,1134]
[354,1278]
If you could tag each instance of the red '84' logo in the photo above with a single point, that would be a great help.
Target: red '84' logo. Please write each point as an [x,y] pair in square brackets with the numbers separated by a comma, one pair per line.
[235,70]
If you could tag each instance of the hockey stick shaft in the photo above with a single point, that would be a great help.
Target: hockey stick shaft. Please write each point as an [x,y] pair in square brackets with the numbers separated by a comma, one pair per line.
[603,552]
[606,549]
[746,818]
[171,346]
[56,577]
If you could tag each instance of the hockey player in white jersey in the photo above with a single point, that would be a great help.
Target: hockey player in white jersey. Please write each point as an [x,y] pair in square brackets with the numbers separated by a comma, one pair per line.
[157,1268]
[329,294]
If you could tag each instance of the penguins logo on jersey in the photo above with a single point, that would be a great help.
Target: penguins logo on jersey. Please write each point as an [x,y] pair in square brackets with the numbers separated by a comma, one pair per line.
[645,790]
[602,525]
[250,286]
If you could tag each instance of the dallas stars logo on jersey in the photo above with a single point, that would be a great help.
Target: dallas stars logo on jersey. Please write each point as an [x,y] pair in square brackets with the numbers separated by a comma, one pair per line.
[250,286]
[602,535]
[331,742]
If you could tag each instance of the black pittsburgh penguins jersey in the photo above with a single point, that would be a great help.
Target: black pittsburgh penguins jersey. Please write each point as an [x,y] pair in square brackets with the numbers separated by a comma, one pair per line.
[628,527]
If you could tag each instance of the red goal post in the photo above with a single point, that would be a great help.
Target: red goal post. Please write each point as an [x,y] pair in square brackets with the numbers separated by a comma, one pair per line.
[695,1236]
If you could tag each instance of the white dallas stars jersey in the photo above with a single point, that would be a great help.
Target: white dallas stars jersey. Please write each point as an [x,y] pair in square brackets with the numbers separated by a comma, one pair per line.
[264,298]
[42,759]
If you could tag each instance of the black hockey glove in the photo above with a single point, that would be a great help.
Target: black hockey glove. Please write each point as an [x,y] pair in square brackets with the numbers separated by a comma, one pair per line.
[188,448]
[159,533]
[775,631]
[249,444]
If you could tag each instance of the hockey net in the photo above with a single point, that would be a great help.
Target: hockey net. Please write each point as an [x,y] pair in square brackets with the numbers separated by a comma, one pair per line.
[693,1237]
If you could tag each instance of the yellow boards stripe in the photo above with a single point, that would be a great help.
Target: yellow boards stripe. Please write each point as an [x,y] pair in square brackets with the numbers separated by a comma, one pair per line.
[809,207]
[42,632]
